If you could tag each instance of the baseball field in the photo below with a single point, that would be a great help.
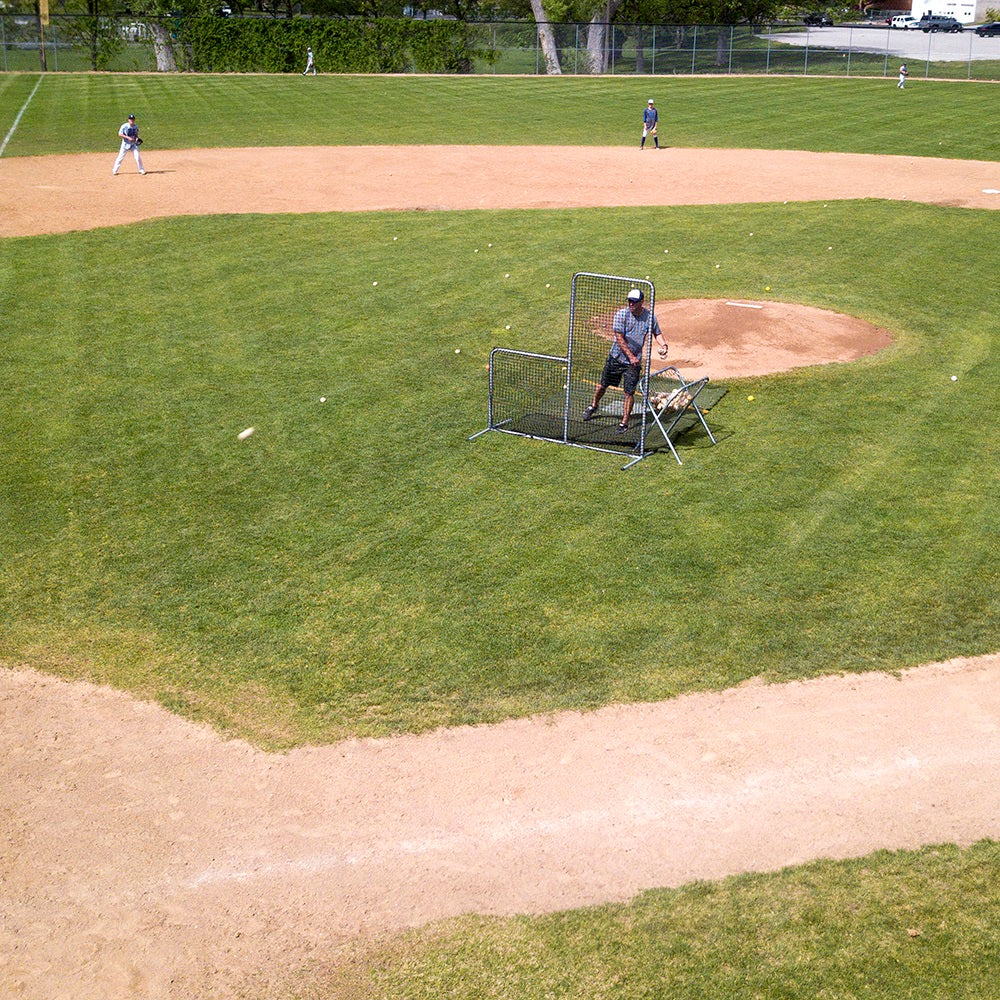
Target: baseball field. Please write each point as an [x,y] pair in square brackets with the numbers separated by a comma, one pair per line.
[353,706]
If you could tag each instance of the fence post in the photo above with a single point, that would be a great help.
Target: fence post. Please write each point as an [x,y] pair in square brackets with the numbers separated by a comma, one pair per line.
[3,40]
[694,47]
[652,61]
[850,48]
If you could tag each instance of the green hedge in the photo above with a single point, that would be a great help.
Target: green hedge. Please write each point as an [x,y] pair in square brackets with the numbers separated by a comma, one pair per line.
[382,45]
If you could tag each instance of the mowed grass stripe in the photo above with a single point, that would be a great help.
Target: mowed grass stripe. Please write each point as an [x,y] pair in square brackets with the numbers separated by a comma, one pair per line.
[362,569]
[81,112]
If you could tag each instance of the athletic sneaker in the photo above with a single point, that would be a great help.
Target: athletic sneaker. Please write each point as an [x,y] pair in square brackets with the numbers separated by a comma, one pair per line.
[621,429]
[589,412]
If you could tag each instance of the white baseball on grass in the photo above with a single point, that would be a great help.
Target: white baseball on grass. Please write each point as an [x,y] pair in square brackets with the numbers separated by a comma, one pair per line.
[322,399]
[507,327]
[458,350]
[243,435]
[954,378]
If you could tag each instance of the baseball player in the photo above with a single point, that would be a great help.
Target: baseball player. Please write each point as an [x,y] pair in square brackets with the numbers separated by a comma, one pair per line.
[650,118]
[631,325]
[902,77]
[310,65]
[129,135]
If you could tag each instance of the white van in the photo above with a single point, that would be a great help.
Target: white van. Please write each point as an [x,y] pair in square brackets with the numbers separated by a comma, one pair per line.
[905,22]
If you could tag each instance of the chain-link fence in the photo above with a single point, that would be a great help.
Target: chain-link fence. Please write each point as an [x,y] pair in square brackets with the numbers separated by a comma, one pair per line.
[516,47]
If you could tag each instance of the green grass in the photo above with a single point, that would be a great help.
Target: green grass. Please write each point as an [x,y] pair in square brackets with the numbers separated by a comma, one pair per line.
[78,112]
[920,925]
[358,567]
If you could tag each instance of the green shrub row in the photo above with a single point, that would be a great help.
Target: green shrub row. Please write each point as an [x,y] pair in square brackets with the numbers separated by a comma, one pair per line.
[382,45]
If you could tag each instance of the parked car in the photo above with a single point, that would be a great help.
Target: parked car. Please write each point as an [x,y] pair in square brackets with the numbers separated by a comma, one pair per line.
[904,22]
[938,22]
[818,18]
[985,30]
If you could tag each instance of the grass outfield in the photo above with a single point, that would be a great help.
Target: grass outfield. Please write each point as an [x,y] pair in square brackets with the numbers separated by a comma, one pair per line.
[358,567]
[82,112]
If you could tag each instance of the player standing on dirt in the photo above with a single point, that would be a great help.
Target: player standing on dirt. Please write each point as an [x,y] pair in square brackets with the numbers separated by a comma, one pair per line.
[129,135]
[650,119]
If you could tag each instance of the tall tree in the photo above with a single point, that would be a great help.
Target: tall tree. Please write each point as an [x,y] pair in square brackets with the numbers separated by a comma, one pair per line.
[599,35]
[547,38]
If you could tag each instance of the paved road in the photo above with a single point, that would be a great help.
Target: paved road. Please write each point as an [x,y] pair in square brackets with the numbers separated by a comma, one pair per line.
[939,46]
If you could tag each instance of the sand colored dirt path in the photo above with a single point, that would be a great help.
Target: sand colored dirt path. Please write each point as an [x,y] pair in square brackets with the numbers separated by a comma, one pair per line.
[144,857]
[64,193]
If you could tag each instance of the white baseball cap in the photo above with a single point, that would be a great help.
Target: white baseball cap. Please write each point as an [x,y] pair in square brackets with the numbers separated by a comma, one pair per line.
[635,295]
[650,101]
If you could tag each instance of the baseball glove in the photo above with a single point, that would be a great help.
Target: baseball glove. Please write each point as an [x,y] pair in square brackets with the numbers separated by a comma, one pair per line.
[137,141]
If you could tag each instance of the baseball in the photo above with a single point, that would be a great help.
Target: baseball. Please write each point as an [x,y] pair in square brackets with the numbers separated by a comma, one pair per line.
[954,378]
[374,283]
[322,399]
[243,435]
[458,350]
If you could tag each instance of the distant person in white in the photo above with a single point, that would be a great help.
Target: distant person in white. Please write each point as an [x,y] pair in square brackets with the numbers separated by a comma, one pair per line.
[310,65]
[129,135]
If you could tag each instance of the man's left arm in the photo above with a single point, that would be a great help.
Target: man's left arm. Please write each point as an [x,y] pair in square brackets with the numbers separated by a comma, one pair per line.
[658,337]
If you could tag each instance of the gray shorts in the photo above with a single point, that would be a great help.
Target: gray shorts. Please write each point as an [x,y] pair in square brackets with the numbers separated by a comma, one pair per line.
[621,373]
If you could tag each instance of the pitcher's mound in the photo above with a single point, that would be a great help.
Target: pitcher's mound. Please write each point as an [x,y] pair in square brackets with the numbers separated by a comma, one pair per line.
[731,338]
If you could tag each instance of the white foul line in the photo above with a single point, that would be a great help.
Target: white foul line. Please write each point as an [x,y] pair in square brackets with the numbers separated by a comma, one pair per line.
[17,120]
